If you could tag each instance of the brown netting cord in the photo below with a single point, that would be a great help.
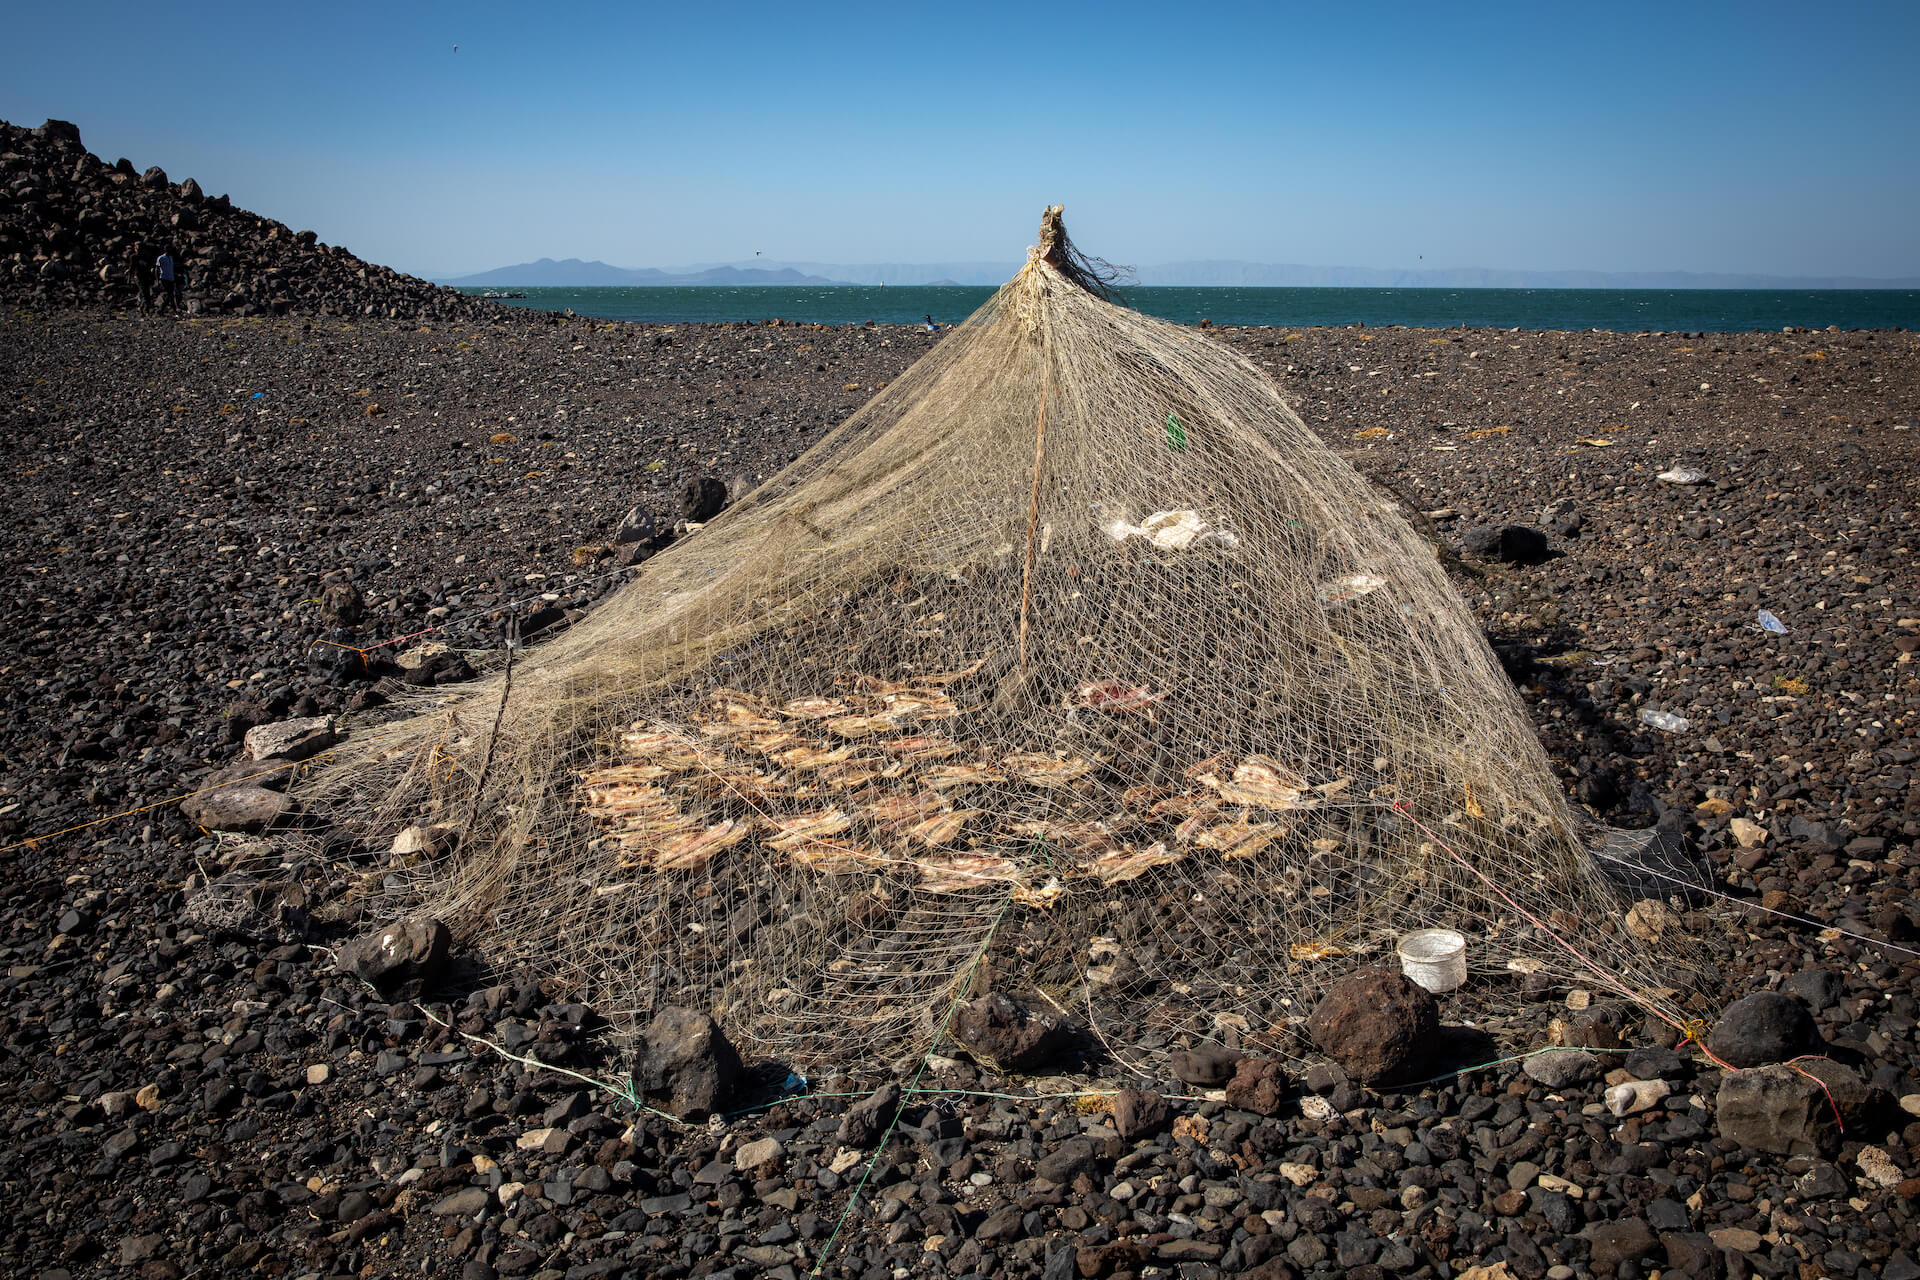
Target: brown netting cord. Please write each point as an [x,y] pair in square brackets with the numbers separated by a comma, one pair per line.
[1076,614]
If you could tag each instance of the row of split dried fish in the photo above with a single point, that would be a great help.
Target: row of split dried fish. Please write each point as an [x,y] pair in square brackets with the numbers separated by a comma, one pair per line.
[877,798]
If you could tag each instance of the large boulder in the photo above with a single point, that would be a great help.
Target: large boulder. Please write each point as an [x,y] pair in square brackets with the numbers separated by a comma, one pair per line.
[1379,1025]
[342,605]
[1513,543]
[290,739]
[1764,1027]
[1259,1085]
[1206,1065]
[868,1118]
[1562,1068]
[1140,1113]
[686,1065]
[1776,1109]
[405,951]
[246,808]
[702,498]
[1004,1033]
[636,526]
[1620,1240]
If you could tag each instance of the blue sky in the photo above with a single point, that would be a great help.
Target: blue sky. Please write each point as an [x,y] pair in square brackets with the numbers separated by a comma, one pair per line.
[1750,137]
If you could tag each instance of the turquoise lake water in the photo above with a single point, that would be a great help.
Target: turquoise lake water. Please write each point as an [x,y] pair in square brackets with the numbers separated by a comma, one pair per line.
[1710,310]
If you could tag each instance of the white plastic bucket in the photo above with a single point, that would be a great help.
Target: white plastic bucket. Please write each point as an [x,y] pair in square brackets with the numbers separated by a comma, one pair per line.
[1434,958]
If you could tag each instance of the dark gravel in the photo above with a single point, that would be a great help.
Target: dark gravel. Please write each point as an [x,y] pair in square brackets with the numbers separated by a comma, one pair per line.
[192,1089]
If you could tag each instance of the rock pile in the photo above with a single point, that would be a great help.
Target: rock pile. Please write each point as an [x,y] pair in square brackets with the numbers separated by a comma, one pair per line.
[70,225]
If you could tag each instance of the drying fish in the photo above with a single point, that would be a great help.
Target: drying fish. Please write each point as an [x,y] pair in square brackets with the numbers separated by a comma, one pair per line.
[861,726]
[1265,783]
[1351,587]
[743,784]
[1206,771]
[650,743]
[614,800]
[1046,771]
[958,872]
[1040,896]
[1128,863]
[940,678]
[768,742]
[1072,837]
[892,811]
[924,747]
[1335,787]
[942,828]
[1240,838]
[873,685]
[810,757]
[1143,797]
[670,750]
[612,775]
[741,712]
[942,776]
[831,858]
[1182,805]
[920,704]
[814,708]
[1196,822]
[690,853]
[1115,696]
[792,830]
[849,774]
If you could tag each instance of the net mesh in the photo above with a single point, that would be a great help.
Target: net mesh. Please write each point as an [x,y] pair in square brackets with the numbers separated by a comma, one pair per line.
[1076,636]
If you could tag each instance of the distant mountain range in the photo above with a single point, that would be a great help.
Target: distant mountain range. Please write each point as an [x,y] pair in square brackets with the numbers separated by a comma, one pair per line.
[573,273]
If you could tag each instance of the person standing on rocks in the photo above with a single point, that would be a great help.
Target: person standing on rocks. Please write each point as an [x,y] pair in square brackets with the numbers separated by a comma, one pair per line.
[143,278]
[164,265]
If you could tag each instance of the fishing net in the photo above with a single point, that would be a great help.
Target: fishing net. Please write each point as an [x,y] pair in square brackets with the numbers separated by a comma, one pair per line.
[1074,649]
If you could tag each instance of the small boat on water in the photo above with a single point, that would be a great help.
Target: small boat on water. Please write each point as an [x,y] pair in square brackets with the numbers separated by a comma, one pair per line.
[498,293]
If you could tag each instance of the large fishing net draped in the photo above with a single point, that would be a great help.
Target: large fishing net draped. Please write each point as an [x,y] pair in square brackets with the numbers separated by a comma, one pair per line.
[1074,650]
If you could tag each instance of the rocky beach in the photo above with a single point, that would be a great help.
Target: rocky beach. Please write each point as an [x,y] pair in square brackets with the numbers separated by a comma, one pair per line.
[223,521]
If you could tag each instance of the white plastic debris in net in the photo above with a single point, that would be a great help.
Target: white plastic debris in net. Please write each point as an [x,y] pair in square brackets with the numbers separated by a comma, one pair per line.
[1177,530]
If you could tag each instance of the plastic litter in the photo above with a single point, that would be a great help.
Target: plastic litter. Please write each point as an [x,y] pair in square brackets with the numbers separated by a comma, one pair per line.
[1770,623]
[1682,475]
[1179,530]
[1434,958]
[1665,720]
[1176,434]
